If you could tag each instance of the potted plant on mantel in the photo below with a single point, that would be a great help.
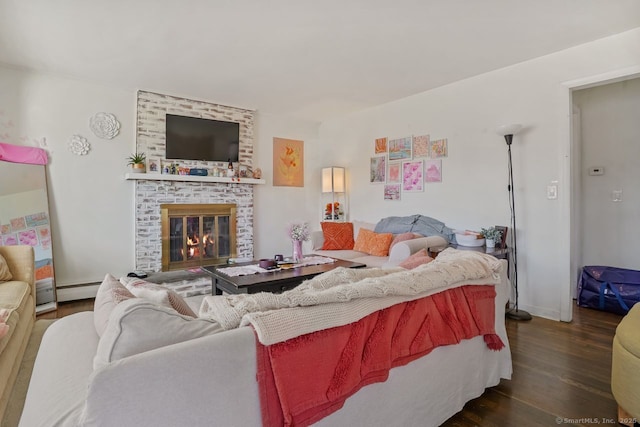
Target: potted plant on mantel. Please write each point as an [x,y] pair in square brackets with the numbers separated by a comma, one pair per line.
[491,235]
[137,162]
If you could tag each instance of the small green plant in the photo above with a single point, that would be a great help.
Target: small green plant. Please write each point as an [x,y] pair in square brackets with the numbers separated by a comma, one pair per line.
[136,159]
[491,233]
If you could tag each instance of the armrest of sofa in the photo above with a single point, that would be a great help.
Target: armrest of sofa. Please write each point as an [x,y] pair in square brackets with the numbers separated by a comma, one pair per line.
[204,381]
[317,240]
[403,250]
[21,262]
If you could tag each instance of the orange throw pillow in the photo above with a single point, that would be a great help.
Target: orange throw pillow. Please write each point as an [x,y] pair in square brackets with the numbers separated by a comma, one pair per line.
[376,244]
[337,235]
[419,258]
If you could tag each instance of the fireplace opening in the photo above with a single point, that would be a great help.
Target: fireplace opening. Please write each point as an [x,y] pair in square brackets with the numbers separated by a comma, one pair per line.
[197,234]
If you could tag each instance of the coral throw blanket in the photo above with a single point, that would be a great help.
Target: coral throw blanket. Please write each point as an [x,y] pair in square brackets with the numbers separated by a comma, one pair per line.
[306,378]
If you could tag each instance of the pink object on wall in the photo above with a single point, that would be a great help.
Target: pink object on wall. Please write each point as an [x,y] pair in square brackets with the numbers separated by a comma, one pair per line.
[21,154]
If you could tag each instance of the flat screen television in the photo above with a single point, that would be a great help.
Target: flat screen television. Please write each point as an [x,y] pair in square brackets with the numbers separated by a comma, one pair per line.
[192,138]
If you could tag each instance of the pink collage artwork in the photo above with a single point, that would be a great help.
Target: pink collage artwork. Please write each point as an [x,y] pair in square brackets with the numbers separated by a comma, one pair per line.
[433,170]
[412,179]
[32,230]
[411,162]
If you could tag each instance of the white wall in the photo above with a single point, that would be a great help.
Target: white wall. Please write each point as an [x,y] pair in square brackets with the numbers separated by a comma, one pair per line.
[90,202]
[473,193]
[611,139]
[276,207]
[92,205]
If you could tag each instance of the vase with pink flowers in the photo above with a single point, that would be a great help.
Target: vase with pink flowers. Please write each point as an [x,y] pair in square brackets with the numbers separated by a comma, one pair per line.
[298,232]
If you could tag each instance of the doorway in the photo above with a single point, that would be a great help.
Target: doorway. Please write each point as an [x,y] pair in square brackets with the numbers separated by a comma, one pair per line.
[605,150]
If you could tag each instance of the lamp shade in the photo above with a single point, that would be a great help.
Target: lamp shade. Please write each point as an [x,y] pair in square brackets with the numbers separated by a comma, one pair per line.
[508,129]
[333,180]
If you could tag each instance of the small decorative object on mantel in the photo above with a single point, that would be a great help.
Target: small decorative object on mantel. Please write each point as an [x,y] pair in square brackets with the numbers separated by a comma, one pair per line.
[257,174]
[104,125]
[154,165]
[491,235]
[298,232]
[79,146]
[230,171]
[137,162]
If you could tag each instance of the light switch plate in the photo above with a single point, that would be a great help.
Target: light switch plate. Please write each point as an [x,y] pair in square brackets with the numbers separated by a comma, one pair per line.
[616,195]
[552,192]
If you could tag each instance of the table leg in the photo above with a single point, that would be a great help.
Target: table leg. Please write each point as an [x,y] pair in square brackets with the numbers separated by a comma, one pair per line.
[214,284]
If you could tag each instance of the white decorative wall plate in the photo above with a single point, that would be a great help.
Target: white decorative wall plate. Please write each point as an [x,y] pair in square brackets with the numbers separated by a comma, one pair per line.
[78,145]
[104,125]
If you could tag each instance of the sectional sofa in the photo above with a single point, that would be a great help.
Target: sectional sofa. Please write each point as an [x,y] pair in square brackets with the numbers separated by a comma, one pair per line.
[398,251]
[152,366]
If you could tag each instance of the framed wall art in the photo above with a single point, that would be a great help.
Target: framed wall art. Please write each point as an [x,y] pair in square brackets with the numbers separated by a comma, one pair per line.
[421,146]
[378,169]
[439,148]
[394,173]
[433,170]
[381,145]
[154,165]
[288,162]
[392,192]
[400,149]
[412,176]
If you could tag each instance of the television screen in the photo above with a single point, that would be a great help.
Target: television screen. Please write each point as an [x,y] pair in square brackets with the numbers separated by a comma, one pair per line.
[191,138]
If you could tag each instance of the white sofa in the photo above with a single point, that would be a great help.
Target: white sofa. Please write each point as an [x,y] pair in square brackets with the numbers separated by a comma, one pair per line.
[211,380]
[397,253]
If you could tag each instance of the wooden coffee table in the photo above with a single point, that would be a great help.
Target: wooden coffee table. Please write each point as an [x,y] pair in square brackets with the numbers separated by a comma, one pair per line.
[273,281]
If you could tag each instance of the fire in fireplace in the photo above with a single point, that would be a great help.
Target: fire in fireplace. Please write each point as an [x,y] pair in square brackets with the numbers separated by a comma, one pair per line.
[197,234]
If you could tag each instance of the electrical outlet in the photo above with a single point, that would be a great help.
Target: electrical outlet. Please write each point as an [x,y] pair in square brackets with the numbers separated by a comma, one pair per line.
[552,192]
[596,171]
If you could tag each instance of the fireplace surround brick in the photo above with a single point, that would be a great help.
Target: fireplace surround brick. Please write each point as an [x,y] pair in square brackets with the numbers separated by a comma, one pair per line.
[149,195]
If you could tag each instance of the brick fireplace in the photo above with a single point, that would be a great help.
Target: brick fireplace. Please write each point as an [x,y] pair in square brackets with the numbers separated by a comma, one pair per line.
[151,194]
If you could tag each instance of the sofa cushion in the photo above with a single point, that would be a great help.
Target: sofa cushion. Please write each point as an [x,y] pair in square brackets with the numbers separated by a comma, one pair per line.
[10,326]
[372,243]
[14,295]
[5,274]
[357,225]
[158,294]
[110,293]
[403,237]
[337,235]
[371,260]
[138,325]
[348,255]
[419,258]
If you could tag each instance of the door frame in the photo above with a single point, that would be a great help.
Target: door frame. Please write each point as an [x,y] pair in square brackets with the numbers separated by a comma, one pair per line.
[570,211]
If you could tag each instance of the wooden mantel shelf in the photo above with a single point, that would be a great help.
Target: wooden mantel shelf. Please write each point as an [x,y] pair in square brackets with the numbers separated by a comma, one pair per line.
[191,178]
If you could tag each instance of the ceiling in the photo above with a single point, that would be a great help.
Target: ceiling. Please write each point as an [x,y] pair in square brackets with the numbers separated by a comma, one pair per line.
[304,58]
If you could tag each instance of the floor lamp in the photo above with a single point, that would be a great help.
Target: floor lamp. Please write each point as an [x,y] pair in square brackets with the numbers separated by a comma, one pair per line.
[333,181]
[513,313]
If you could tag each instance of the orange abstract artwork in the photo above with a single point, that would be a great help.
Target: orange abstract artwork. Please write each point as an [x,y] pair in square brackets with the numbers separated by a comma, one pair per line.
[381,145]
[288,162]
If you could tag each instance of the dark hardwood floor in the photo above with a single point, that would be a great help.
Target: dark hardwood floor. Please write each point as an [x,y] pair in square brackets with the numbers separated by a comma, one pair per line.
[561,373]
[67,308]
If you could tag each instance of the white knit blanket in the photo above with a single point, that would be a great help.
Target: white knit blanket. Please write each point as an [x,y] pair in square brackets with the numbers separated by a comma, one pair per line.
[343,295]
